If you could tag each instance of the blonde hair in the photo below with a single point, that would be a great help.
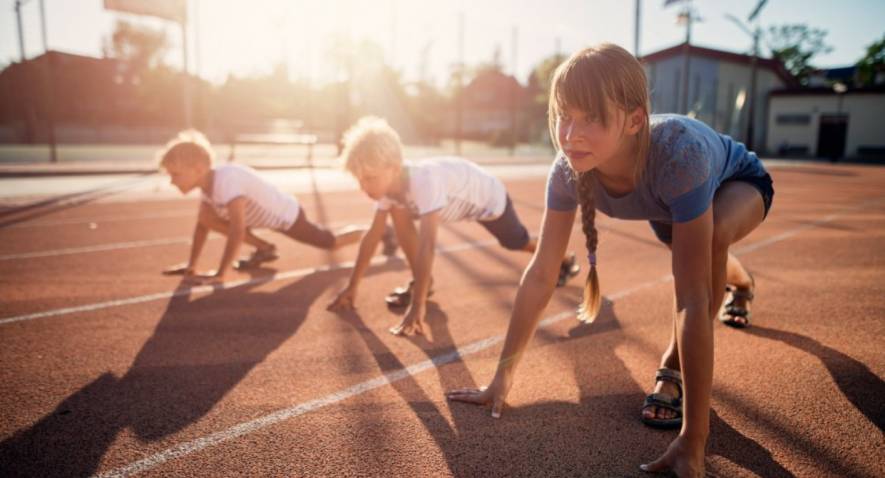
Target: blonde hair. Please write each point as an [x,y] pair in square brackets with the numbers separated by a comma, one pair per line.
[588,80]
[371,144]
[188,148]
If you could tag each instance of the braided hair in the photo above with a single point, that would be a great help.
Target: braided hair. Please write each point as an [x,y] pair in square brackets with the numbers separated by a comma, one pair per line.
[592,299]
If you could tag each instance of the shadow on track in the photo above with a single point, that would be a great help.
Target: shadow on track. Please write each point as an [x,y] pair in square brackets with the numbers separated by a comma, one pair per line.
[608,394]
[200,350]
[863,388]
[12,216]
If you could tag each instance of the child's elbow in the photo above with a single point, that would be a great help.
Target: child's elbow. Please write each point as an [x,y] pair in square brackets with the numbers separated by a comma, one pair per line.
[539,276]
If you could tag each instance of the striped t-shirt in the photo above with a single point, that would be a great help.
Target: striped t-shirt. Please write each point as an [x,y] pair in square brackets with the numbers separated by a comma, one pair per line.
[456,187]
[266,206]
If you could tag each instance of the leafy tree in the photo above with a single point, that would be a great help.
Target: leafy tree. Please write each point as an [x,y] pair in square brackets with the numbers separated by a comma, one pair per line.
[872,63]
[141,46]
[795,45]
[539,92]
[542,76]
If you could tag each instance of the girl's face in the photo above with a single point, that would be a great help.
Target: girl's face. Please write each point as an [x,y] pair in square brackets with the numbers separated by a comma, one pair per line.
[586,142]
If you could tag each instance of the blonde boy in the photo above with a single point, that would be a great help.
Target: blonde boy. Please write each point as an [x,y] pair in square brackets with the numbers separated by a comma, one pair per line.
[236,200]
[433,191]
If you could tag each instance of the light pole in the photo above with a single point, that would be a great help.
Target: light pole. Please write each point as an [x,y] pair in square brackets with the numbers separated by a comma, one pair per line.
[21,35]
[686,16]
[50,84]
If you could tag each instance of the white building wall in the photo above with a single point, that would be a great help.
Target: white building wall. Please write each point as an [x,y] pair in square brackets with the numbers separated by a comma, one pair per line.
[865,111]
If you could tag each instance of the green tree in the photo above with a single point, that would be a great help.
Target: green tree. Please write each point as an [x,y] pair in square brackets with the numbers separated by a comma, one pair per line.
[542,76]
[872,63]
[539,92]
[141,46]
[795,45]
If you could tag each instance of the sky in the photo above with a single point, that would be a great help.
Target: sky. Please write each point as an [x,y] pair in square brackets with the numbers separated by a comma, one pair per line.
[244,38]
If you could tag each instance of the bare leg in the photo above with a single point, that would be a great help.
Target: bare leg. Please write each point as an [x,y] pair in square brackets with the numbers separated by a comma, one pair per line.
[737,210]
[734,200]
[738,277]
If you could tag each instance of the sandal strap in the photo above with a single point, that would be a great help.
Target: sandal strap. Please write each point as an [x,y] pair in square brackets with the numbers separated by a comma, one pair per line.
[737,311]
[665,401]
[742,294]
[672,376]
[669,375]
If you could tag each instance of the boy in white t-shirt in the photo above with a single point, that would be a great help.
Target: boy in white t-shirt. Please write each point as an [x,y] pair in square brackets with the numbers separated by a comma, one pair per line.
[433,191]
[236,200]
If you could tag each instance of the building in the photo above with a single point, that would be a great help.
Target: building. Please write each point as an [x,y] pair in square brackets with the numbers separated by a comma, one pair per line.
[491,102]
[718,88]
[85,99]
[828,122]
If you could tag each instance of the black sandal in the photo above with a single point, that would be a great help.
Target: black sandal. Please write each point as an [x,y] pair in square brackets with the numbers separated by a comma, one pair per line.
[662,400]
[568,269]
[402,296]
[732,312]
[256,259]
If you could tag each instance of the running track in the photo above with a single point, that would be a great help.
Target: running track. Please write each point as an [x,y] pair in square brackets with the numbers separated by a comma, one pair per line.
[108,368]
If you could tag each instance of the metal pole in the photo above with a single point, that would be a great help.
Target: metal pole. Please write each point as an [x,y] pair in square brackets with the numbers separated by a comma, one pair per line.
[201,120]
[751,110]
[21,35]
[459,100]
[186,90]
[636,28]
[392,59]
[50,85]
[513,93]
[686,67]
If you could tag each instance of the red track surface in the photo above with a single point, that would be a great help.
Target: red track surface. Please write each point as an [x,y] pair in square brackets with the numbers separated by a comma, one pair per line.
[173,385]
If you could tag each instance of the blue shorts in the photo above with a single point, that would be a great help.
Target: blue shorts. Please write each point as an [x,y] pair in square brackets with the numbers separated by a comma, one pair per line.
[511,234]
[764,184]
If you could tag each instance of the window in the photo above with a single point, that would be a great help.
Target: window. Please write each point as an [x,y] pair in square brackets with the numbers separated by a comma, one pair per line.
[793,119]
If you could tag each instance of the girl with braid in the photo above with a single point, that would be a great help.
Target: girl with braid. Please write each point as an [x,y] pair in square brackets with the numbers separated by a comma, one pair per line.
[700,190]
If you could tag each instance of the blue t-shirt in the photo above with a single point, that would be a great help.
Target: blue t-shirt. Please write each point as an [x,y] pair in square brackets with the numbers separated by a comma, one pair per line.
[687,161]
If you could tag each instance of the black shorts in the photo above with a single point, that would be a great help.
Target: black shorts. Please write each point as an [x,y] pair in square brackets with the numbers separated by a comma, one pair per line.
[764,184]
[511,234]
[303,230]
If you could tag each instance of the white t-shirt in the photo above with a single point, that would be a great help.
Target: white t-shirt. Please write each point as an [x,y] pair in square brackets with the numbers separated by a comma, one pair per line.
[266,206]
[457,188]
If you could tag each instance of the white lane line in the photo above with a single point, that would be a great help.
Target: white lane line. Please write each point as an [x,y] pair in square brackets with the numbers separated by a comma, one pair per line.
[310,406]
[127,245]
[101,220]
[192,446]
[99,248]
[227,285]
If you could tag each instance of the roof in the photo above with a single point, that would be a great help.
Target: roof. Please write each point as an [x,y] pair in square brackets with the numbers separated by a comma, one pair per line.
[827,91]
[675,51]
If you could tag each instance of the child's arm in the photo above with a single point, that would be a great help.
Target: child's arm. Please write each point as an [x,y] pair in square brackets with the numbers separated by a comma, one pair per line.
[535,289]
[236,233]
[368,244]
[197,242]
[421,269]
[693,280]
